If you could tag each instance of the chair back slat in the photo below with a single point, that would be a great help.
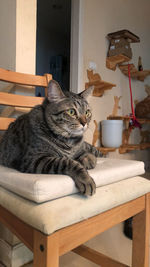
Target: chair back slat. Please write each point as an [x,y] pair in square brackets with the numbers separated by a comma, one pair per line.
[4,123]
[19,100]
[24,79]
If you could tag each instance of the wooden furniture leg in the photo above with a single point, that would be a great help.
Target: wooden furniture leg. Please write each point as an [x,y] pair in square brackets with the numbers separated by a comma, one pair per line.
[46,250]
[97,257]
[141,232]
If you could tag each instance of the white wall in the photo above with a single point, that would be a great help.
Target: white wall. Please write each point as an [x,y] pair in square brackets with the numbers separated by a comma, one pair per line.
[26,36]
[7,35]
[76,52]
[101,17]
[18,35]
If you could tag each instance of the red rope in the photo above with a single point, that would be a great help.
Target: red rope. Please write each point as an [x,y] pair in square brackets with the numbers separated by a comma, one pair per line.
[135,123]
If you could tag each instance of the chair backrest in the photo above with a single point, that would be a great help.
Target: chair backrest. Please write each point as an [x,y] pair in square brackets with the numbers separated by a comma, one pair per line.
[14,100]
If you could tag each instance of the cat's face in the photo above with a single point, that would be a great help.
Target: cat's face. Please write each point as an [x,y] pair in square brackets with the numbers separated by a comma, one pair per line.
[67,114]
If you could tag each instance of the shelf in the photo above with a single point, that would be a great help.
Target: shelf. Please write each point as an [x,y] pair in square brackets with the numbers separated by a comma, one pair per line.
[99,85]
[118,117]
[130,36]
[127,148]
[130,147]
[111,62]
[135,74]
[142,121]
[105,150]
[124,148]
[126,118]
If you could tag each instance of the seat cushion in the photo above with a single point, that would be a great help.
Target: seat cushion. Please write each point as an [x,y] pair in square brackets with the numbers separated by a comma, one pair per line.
[40,188]
[56,214]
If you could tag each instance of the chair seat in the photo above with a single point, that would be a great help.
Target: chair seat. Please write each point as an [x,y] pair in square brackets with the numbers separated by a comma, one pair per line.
[56,214]
[40,188]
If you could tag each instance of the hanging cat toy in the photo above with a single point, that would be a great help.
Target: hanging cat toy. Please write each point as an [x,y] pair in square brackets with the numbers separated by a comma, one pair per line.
[133,121]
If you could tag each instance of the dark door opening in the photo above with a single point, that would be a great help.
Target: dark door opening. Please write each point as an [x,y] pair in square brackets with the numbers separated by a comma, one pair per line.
[53,41]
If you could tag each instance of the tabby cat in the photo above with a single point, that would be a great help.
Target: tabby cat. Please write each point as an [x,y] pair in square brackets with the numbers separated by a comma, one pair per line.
[49,139]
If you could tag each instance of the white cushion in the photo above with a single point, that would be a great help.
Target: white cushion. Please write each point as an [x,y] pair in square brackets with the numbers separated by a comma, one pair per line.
[50,216]
[40,188]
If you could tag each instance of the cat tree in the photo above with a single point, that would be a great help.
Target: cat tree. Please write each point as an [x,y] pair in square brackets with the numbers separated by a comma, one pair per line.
[125,147]
[135,74]
[120,43]
[119,47]
[99,85]
[120,52]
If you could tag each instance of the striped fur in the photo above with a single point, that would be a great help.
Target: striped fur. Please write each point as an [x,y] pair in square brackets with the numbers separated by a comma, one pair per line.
[49,139]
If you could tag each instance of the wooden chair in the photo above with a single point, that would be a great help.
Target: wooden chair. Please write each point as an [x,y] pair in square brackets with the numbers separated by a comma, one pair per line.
[48,247]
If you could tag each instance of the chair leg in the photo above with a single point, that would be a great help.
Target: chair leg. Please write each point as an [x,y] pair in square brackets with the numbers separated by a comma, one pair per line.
[46,250]
[141,233]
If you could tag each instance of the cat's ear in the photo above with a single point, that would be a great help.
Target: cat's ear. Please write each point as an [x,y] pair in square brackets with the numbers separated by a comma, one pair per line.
[87,92]
[54,92]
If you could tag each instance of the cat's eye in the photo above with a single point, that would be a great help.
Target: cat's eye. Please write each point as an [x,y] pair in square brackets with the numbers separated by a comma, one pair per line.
[71,112]
[88,113]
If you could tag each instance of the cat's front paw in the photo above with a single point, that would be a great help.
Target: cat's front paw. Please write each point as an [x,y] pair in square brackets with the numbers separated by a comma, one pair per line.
[86,185]
[88,161]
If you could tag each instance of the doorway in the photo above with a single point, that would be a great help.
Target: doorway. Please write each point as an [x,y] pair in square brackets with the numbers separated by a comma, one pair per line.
[53,41]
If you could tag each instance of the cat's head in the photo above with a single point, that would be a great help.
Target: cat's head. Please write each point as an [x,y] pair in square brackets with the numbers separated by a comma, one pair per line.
[67,114]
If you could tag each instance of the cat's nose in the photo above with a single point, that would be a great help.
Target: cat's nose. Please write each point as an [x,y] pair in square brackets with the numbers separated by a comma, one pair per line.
[82,120]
